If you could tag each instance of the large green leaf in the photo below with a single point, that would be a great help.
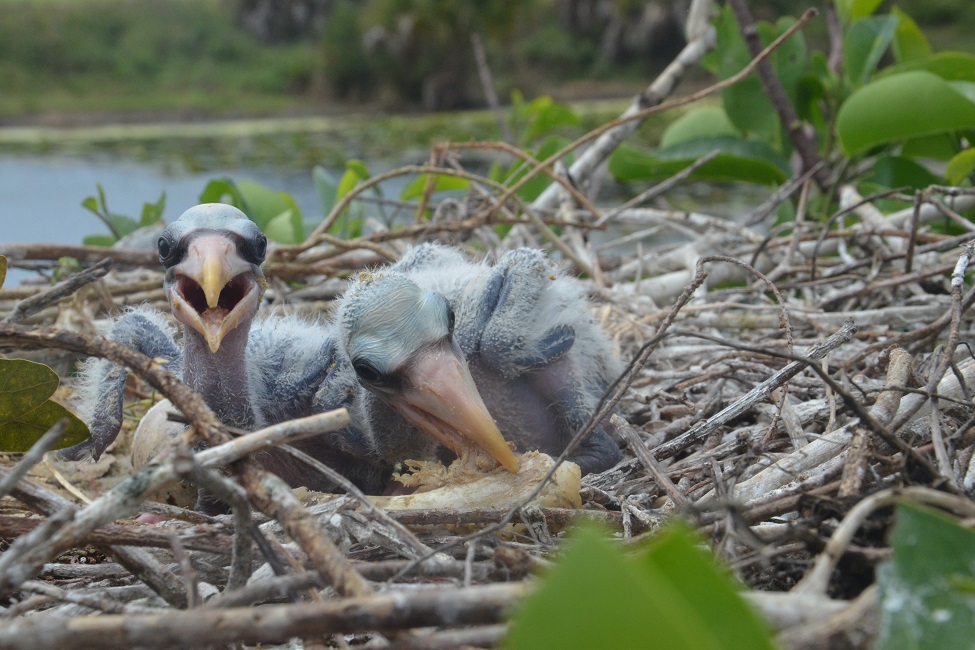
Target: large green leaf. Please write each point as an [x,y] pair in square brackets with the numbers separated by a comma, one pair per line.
[851,10]
[707,593]
[960,167]
[263,205]
[706,122]
[950,66]
[899,171]
[281,228]
[327,188]
[355,172]
[924,593]
[745,103]
[938,146]
[865,43]
[26,411]
[596,598]
[153,212]
[740,160]
[910,43]
[901,106]
[220,188]
[24,385]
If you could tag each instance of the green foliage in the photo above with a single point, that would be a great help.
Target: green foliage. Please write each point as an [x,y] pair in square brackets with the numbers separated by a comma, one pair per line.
[418,186]
[961,167]
[26,410]
[331,191]
[926,593]
[177,54]
[120,225]
[878,113]
[919,108]
[740,160]
[3,270]
[672,595]
[275,212]
[538,127]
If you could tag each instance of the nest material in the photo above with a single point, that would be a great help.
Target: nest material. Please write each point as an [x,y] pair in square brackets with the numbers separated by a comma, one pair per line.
[762,409]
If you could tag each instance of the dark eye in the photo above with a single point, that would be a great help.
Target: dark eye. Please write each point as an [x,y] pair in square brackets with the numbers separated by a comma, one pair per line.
[450,319]
[165,248]
[366,372]
[260,248]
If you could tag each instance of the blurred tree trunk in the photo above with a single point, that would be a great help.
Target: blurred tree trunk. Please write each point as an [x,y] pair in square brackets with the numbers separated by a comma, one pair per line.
[283,20]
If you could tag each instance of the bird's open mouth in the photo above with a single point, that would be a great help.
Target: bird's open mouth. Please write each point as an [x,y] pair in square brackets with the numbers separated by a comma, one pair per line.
[214,314]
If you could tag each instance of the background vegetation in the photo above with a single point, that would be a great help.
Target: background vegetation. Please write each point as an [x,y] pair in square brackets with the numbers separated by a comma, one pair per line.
[132,59]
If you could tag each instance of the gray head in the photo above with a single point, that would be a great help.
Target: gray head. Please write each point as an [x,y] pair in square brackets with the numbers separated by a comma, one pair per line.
[214,281]
[399,340]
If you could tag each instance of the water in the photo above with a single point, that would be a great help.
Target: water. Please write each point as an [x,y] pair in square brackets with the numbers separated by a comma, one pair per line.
[41,195]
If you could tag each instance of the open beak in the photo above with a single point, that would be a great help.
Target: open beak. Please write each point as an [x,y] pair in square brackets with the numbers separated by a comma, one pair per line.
[441,400]
[214,290]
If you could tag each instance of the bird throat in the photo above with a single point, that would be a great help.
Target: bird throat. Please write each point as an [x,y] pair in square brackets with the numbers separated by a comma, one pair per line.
[220,377]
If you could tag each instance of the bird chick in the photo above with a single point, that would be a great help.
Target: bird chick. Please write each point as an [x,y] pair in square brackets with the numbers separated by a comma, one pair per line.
[420,333]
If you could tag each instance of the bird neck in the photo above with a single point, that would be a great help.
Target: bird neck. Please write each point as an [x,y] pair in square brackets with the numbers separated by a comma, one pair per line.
[221,377]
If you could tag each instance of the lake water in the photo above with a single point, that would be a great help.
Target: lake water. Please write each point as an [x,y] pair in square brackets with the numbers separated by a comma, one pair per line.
[41,195]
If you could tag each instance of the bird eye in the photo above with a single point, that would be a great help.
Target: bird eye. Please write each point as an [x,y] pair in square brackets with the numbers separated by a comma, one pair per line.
[450,319]
[260,248]
[165,249]
[366,372]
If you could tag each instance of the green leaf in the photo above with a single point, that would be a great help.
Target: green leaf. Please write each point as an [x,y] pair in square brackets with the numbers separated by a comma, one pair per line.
[152,212]
[545,115]
[418,185]
[950,66]
[851,10]
[745,103]
[327,188]
[901,106]
[3,270]
[740,160]
[708,594]
[24,385]
[699,123]
[355,172]
[281,228]
[91,204]
[910,43]
[219,188]
[99,240]
[898,171]
[26,412]
[940,146]
[594,597]
[921,595]
[263,205]
[123,225]
[865,44]
[959,168]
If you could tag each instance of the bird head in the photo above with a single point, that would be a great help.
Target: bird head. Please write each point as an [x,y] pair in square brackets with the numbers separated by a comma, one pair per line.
[213,255]
[399,339]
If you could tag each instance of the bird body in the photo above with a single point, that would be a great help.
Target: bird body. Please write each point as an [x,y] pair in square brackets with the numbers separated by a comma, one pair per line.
[539,363]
